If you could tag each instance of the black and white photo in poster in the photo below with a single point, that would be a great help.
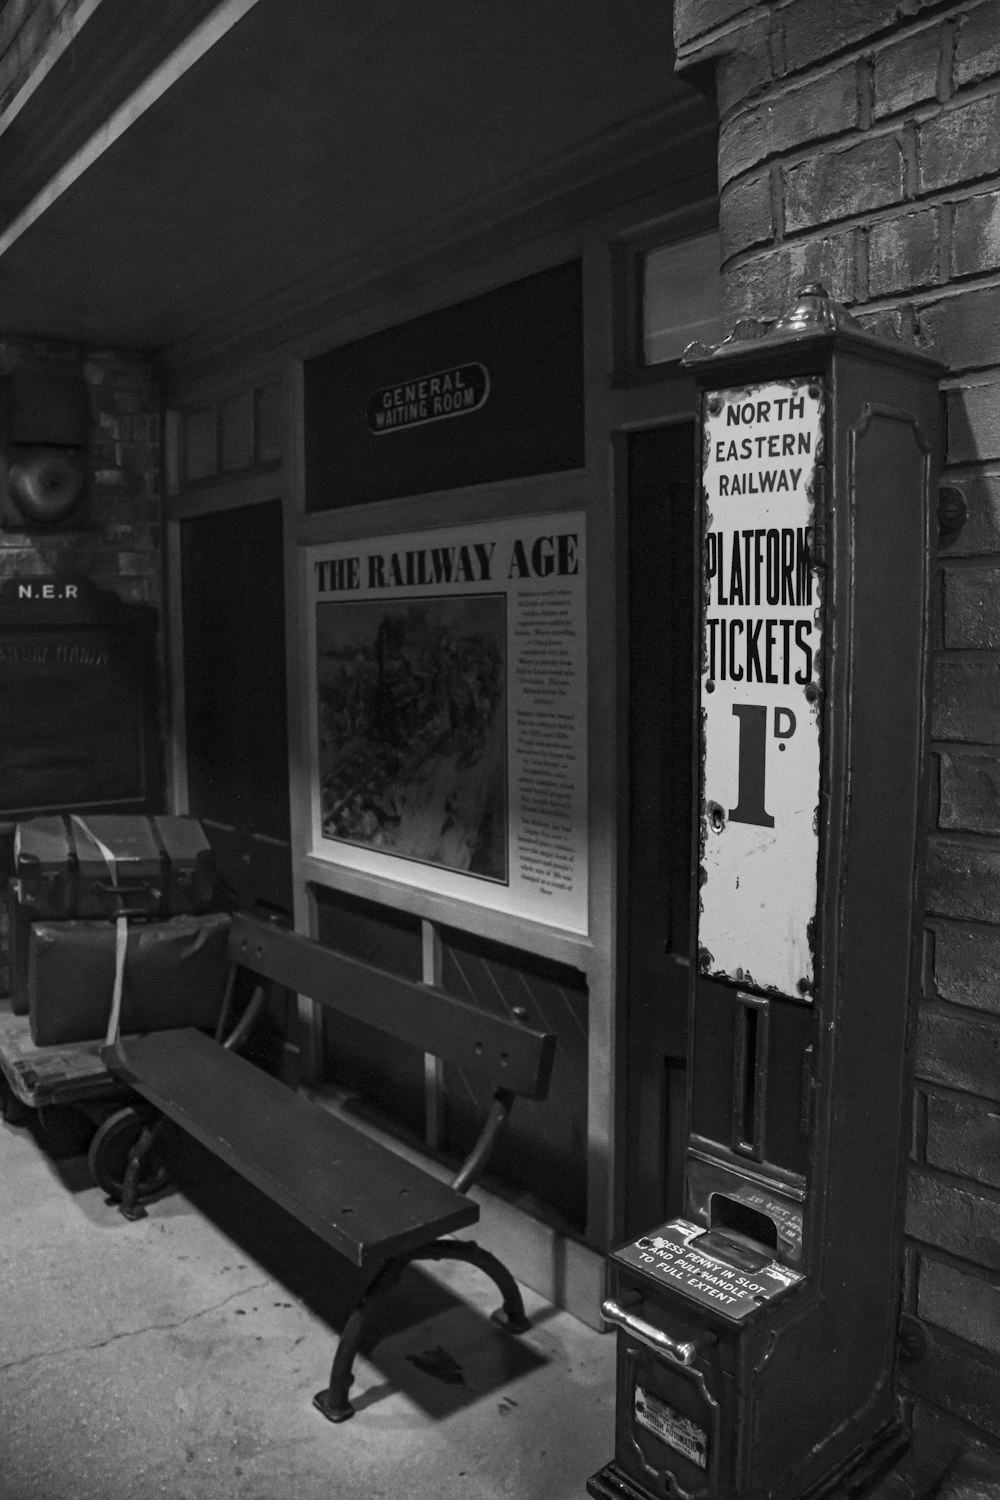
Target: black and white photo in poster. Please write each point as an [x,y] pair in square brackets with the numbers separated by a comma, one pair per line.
[448,709]
[412,727]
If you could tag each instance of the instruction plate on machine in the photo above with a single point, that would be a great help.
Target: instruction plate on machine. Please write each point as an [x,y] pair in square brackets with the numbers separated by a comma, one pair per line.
[672,1253]
[760,685]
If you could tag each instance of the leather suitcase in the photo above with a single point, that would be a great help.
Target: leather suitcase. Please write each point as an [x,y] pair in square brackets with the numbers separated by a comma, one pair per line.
[158,867]
[192,876]
[175,975]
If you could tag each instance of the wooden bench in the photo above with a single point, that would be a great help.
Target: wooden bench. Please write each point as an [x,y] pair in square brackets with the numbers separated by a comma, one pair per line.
[370,1204]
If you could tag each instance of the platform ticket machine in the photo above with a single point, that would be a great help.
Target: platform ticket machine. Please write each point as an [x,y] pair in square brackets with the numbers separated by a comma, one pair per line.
[757,1335]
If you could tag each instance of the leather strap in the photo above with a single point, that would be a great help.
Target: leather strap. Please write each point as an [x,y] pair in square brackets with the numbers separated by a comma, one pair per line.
[121,934]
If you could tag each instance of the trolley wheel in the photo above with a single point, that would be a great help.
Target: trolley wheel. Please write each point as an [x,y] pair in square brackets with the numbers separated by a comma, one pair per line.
[109,1153]
[12,1110]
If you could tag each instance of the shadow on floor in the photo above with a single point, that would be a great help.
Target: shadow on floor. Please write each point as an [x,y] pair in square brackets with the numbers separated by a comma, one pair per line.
[421,1325]
[426,1340]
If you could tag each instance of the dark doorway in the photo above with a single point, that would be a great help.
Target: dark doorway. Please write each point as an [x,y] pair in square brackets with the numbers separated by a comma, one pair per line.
[233,600]
[661,524]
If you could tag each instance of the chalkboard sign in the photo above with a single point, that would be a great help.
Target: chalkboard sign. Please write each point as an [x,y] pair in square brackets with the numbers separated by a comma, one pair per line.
[77,683]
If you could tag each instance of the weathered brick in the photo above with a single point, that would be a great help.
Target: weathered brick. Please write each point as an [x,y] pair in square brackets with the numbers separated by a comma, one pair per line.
[966,701]
[132,534]
[960,1381]
[961,144]
[963,330]
[830,259]
[903,253]
[968,1306]
[960,1050]
[746,215]
[977,48]
[135,590]
[840,184]
[954,1218]
[975,235]
[745,69]
[970,791]
[967,966]
[963,880]
[763,287]
[963,1137]
[759,288]
[905,72]
[694,18]
[981,532]
[133,564]
[818,29]
[889,322]
[972,608]
[122,509]
[788,120]
[974,422]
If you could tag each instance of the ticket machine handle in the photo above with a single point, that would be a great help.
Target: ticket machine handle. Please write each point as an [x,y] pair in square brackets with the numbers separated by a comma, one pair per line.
[681,1352]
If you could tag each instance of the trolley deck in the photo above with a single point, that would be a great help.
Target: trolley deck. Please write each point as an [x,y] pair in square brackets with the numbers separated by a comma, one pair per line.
[68,1073]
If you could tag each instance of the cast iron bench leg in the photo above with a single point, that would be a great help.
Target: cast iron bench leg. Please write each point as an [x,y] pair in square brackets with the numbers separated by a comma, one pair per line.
[333,1402]
[130,1207]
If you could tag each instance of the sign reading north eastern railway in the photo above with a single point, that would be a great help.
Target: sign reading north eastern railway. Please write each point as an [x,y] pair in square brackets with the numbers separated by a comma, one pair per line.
[760,685]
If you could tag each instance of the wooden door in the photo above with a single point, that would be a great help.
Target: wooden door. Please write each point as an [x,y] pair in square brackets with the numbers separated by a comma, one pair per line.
[660,861]
[232,590]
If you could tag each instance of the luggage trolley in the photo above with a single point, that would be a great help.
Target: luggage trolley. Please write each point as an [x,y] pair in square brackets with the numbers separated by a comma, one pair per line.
[72,1073]
[37,1078]
[139,867]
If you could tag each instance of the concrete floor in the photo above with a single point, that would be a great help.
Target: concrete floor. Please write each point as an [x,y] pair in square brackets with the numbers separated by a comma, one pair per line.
[177,1356]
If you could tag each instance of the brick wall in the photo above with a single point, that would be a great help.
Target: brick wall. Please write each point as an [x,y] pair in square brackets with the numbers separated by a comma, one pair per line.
[25,28]
[120,546]
[860,145]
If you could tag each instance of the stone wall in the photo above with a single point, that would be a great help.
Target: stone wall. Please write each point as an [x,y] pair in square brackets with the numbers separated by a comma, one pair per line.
[860,145]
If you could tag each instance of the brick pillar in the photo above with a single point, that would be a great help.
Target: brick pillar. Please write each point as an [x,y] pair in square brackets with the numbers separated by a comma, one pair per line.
[859,145]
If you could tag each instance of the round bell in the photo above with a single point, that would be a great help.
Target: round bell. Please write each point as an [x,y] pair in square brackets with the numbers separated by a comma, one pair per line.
[45,483]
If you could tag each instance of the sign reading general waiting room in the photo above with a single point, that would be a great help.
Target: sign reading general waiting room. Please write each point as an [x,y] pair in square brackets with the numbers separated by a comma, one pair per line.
[760,685]
[486,390]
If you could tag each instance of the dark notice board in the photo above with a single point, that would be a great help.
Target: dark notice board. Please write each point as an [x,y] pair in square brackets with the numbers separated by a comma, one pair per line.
[509,398]
[77,684]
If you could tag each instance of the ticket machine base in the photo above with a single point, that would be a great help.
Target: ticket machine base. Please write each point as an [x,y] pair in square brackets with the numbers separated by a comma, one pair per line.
[861,1478]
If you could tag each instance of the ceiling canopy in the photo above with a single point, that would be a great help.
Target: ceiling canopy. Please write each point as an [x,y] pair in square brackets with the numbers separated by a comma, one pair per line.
[278,144]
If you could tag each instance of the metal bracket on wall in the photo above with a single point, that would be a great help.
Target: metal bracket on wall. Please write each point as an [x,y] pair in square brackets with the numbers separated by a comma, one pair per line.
[952,514]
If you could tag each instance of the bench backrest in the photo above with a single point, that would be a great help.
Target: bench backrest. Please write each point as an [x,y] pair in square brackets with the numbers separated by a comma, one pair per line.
[512,1053]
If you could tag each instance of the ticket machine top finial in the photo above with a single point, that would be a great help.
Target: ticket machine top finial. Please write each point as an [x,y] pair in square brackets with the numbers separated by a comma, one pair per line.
[812,310]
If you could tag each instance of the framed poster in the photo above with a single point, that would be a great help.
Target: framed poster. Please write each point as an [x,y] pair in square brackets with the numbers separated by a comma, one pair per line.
[448,704]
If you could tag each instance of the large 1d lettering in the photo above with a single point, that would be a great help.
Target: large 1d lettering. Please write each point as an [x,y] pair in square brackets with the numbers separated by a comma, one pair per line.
[752,732]
[753,742]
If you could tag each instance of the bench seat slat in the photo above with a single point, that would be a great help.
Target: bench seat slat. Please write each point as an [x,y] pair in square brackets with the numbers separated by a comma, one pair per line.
[360,1197]
[512,1054]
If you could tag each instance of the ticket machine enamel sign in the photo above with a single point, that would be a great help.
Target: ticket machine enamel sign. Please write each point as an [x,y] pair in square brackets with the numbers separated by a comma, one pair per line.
[760,685]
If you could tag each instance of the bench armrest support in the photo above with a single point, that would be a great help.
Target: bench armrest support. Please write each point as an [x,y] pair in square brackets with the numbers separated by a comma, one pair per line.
[248,1020]
[495,1124]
